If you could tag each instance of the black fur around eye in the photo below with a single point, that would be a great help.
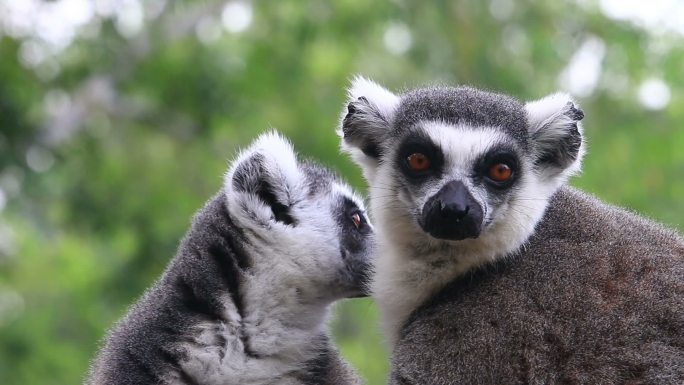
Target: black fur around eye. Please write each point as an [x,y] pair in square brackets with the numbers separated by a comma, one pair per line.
[499,168]
[352,218]
[419,158]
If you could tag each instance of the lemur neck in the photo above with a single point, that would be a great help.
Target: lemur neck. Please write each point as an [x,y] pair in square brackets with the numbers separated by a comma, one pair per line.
[279,320]
[265,311]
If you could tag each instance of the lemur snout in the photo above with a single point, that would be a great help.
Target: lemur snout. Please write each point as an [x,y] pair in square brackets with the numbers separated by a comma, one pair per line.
[452,213]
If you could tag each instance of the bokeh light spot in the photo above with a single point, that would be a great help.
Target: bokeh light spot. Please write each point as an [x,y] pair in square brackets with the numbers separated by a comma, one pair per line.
[397,38]
[237,16]
[654,94]
[39,159]
[582,74]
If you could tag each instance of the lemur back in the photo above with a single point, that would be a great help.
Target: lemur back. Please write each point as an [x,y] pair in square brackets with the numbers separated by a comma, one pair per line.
[488,270]
[246,298]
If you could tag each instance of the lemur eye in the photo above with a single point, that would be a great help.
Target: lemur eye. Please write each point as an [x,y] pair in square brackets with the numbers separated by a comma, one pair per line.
[418,162]
[357,219]
[500,172]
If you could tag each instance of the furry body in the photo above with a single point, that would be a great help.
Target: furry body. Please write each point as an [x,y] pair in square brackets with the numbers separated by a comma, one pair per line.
[246,298]
[596,296]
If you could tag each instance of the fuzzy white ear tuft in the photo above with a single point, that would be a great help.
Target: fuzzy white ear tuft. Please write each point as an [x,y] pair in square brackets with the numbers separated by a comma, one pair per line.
[541,112]
[264,179]
[557,137]
[280,156]
[385,101]
[365,123]
[271,154]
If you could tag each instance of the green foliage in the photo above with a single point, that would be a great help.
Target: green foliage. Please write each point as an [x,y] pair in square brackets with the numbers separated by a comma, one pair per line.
[109,145]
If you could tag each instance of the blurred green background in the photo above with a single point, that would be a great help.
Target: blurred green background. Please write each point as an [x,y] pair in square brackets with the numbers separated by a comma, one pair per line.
[117,119]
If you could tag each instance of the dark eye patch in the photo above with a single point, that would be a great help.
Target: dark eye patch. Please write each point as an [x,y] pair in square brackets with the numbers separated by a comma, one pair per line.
[352,237]
[494,156]
[349,211]
[418,143]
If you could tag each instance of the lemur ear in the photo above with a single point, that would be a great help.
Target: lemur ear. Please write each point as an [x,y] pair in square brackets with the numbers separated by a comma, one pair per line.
[555,134]
[366,121]
[265,179]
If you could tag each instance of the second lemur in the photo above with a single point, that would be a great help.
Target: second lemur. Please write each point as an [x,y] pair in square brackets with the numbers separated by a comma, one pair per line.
[246,298]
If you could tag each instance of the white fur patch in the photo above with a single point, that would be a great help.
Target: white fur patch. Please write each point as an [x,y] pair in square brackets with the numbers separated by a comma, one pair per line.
[383,99]
[463,144]
[542,111]
[547,114]
[280,156]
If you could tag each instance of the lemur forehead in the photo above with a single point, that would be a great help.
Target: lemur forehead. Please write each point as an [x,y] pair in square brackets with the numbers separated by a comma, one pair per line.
[321,180]
[318,179]
[459,106]
[346,195]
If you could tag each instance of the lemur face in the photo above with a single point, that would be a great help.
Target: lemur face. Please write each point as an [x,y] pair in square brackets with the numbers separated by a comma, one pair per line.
[455,180]
[456,164]
[305,216]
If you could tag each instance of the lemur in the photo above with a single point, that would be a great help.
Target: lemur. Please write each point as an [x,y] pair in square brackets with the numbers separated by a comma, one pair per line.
[246,298]
[489,269]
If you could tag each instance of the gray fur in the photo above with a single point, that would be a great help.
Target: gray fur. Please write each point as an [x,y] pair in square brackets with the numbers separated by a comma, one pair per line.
[463,105]
[246,297]
[595,297]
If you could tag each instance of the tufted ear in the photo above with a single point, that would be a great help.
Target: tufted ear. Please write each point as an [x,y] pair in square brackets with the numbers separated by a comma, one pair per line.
[264,180]
[366,121]
[556,138]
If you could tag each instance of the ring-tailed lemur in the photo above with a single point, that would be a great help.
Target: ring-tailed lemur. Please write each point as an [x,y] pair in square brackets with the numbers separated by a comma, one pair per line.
[246,297]
[489,271]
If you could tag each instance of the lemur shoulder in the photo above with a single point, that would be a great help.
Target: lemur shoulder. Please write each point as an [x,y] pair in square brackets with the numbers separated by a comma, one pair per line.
[246,298]
[490,270]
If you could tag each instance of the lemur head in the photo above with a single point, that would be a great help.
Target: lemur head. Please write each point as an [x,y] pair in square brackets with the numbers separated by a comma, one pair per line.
[460,166]
[304,224]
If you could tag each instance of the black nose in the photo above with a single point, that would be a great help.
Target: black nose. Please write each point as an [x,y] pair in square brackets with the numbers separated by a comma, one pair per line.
[452,213]
[453,210]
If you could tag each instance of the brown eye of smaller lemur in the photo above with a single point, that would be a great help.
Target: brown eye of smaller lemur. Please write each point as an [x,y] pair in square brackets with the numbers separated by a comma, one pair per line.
[356,218]
[418,162]
[500,172]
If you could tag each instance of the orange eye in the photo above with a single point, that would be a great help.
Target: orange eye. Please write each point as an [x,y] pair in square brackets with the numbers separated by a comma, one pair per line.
[418,162]
[500,172]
